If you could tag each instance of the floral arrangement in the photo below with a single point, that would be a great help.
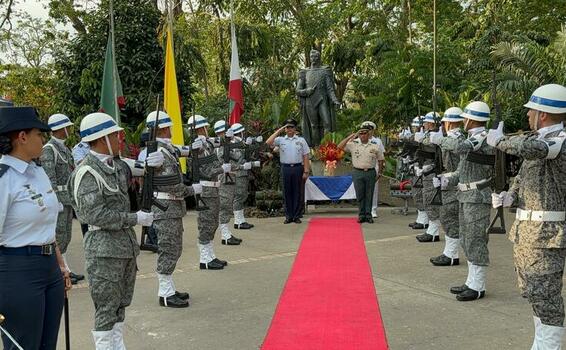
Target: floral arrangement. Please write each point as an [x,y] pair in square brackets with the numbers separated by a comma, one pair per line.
[329,153]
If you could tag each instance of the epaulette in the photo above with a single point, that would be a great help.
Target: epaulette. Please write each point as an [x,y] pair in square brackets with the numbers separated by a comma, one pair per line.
[3,169]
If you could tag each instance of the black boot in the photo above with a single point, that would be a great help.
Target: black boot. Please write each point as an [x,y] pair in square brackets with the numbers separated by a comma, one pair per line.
[443,260]
[425,238]
[221,262]
[231,241]
[76,276]
[213,265]
[243,226]
[149,247]
[459,289]
[469,295]
[418,226]
[173,301]
[182,295]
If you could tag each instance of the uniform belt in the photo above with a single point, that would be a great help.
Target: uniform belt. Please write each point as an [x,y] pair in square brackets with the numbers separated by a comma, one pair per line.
[47,249]
[539,215]
[367,169]
[210,183]
[61,188]
[291,165]
[166,196]
[478,185]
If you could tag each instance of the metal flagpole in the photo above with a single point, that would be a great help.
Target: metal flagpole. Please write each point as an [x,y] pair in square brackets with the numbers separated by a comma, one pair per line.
[114,67]
[434,58]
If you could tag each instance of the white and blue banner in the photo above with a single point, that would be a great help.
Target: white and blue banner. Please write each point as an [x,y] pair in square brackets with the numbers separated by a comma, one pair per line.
[329,188]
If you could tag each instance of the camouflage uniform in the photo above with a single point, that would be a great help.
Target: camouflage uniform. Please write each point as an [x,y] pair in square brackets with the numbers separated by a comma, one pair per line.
[475,204]
[227,190]
[100,195]
[168,224]
[210,171]
[57,161]
[417,191]
[449,217]
[433,211]
[540,246]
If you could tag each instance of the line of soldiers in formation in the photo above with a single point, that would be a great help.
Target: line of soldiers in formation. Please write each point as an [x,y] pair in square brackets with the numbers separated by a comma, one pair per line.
[538,191]
[97,190]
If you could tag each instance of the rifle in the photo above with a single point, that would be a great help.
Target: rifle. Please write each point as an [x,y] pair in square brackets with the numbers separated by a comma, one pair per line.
[226,144]
[147,199]
[500,176]
[200,205]
[438,169]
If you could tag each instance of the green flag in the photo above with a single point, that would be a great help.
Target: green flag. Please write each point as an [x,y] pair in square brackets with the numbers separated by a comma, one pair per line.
[111,97]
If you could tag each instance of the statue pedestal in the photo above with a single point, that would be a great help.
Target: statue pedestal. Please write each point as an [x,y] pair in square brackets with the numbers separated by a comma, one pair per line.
[318,168]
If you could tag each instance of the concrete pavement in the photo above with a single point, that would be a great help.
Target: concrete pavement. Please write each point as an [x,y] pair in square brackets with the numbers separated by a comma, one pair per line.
[232,309]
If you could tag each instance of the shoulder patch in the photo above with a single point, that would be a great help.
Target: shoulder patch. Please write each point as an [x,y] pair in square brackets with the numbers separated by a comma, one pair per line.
[3,169]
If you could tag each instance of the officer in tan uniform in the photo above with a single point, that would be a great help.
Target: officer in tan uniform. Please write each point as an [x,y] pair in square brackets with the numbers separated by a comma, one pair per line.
[364,160]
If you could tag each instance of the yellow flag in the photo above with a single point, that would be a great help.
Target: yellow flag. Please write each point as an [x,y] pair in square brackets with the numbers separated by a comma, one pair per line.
[172,103]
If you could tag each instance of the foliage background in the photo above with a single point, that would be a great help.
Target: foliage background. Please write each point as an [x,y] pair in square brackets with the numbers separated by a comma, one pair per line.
[380,51]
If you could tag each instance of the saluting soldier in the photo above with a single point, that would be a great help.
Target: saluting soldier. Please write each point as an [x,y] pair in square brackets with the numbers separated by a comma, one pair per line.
[538,232]
[364,160]
[416,184]
[210,170]
[380,167]
[242,179]
[449,211]
[57,161]
[473,178]
[170,193]
[427,173]
[227,188]
[99,189]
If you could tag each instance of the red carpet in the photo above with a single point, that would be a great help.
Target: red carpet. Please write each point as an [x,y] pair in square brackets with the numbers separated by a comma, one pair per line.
[329,300]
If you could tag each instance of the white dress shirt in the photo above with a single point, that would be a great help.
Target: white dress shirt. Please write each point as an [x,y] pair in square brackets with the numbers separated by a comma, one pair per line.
[28,205]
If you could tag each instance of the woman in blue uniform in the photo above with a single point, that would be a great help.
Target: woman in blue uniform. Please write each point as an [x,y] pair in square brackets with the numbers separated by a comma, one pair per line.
[33,278]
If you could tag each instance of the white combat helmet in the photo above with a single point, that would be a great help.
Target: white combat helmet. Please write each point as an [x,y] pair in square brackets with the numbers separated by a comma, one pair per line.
[97,125]
[416,122]
[58,121]
[550,98]
[477,110]
[431,117]
[163,120]
[199,122]
[237,128]
[453,115]
[220,126]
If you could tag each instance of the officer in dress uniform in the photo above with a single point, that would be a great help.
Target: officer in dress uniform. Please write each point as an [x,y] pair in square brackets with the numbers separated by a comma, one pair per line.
[33,275]
[227,188]
[57,161]
[294,157]
[380,167]
[170,193]
[210,170]
[99,189]
[242,179]
[364,160]
[416,184]
[473,179]
[538,232]
[449,211]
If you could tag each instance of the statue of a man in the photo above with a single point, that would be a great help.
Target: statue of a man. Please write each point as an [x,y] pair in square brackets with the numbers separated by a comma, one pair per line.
[317,95]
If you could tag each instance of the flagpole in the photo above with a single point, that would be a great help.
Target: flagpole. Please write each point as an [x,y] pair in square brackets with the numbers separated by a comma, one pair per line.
[114,67]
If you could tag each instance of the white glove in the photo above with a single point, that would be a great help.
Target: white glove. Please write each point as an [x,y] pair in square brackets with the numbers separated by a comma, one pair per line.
[249,141]
[247,166]
[504,199]
[259,139]
[436,137]
[229,133]
[183,151]
[61,207]
[197,188]
[436,182]
[443,182]
[418,171]
[495,135]
[419,136]
[197,145]
[427,168]
[256,164]
[144,219]
[226,168]
[155,159]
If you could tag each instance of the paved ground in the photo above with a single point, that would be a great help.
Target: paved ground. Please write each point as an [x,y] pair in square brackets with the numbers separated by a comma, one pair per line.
[232,309]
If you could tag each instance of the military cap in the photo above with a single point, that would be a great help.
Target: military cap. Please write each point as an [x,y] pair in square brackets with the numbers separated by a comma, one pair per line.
[20,118]
[291,122]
